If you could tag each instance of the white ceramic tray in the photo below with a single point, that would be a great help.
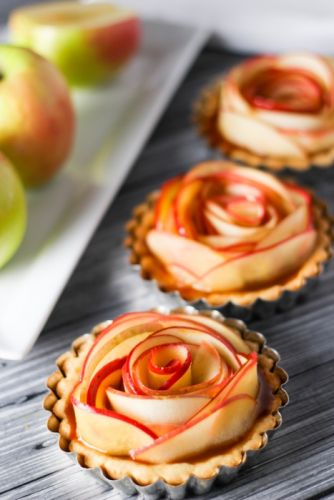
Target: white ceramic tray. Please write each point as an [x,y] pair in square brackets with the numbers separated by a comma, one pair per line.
[113,124]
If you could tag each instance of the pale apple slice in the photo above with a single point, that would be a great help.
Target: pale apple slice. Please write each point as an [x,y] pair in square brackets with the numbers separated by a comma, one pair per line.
[107,430]
[261,267]
[171,249]
[197,335]
[290,121]
[313,141]
[245,381]
[295,223]
[157,412]
[313,64]
[253,135]
[243,233]
[231,99]
[225,424]
[124,327]
[226,332]
[247,212]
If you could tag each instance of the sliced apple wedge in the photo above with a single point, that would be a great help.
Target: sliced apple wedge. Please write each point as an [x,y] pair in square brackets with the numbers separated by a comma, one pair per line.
[227,333]
[293,224]
[157,413]
[109,375]
[257,136]
[226,423]
[261,267]
[164,204]
[244,381]
[173,249]
[107,430]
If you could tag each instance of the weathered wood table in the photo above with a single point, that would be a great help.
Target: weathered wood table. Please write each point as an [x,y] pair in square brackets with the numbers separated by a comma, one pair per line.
[298,464]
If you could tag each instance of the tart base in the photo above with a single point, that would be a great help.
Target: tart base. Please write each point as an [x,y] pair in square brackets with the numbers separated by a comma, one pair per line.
[261,302]
[173,479]
[206,116]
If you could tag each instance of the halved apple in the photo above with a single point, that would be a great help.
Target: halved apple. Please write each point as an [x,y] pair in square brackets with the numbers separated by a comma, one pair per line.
[89,42]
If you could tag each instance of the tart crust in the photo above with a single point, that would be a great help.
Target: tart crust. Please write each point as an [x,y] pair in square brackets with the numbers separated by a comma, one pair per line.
[206,116]
[152,269]
[61,421]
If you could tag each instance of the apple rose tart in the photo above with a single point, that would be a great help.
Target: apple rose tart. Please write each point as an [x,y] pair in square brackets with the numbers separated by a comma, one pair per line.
[224,233]
[153,395]
[275,111]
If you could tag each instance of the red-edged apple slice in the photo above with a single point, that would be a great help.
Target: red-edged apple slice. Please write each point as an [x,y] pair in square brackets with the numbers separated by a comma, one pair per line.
[231,99]
[225,424]
[109,431]
[184,204]
[226,332]
[313,64]
[158,413]
[108,375]
[197,335]
[312,141]
[290,121]
[247,212]
[256,136]
[176,250]
[245,381]
[261,267]
[293,224]
[126,326]
[164,205]
[243,233]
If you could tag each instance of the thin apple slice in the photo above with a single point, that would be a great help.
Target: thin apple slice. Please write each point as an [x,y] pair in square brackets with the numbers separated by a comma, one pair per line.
[108,375]
[165,204]
[295,223]
[173,249]
[261,267]
[226,423]
[196,335]
[109,431]
[243,233]
[226,332]
[157,413]
[257,136]
[314,64]
[245,381]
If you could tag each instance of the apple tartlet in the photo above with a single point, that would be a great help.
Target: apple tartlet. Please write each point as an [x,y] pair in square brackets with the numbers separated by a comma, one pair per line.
[156,398]
[226,234]
[275,111]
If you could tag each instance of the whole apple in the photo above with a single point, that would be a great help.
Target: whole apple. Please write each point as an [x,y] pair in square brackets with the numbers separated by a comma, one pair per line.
[89,43]
[13,214]
[37,117]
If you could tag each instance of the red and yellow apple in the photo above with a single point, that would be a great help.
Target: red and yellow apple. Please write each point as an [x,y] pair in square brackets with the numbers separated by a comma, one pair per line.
[37,117]
[88,42]
[160,388]
[224,227]
[281,106]
[12,211]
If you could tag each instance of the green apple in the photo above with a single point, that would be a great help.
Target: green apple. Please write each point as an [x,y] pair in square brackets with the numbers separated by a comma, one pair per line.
[37,117]
[13,214]
[89,43]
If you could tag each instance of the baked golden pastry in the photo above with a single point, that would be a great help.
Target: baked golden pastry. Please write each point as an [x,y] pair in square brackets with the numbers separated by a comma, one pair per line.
[164,396]
[225,233]
[275,111]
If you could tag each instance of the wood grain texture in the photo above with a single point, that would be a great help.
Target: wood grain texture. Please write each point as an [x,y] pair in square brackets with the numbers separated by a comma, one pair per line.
[299,461]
